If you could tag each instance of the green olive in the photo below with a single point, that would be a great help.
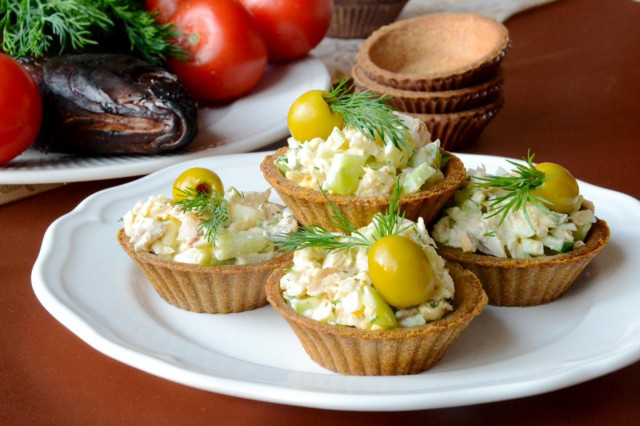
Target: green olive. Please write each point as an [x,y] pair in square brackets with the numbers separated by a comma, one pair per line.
[400,271]
[560,189]
[310,117]
[199,179]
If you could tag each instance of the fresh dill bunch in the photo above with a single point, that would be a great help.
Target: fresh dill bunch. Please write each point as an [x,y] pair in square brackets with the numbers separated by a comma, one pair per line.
[316,236]
[518,190]
[151,40]
[38,27]
[369,114]
[210,206]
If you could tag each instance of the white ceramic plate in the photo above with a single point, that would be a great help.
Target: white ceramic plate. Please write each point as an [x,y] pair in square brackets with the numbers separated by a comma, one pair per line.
[251,122]
[85,280]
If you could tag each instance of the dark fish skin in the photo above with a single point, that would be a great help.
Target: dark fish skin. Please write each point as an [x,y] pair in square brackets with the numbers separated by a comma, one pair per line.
[98,104]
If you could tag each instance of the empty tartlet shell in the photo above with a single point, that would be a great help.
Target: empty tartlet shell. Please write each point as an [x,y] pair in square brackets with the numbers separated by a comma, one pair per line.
[212,289]
[532,281]
[435,52]
[420,102]
[359,18]
[457,130]
[311,208]
[411,350]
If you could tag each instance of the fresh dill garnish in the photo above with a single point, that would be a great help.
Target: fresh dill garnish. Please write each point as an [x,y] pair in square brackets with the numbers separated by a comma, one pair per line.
[518,190]
[211,207]
[490,234]
[369,114]
[316,236]
[39,27]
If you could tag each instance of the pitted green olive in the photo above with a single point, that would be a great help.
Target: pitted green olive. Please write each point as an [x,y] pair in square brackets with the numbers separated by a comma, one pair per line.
[400,271]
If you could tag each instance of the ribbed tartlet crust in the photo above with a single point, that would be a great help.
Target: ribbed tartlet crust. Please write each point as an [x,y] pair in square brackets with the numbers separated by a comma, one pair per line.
[411,350]
[533,281]
[212,289]
[456,130]
[310,207]
[435,52]
[359,18]
[422,102]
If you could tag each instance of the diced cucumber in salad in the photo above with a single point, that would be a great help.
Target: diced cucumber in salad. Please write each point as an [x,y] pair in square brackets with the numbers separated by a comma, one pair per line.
[350,163]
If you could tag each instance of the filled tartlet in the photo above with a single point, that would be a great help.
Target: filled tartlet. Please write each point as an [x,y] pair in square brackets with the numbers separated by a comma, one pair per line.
[206,249]
[526,233]
[377,300]
[353,148]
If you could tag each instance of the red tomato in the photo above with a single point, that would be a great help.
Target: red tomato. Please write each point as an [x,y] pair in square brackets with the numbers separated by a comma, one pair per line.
[227,55]
[291,27]
[21,109]
[165,8]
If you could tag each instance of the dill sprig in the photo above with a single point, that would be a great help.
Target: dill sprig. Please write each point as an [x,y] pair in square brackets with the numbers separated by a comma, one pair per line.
[369,114]
[316,236]
[518,190]
[151,40]
[39,27]
[210,206]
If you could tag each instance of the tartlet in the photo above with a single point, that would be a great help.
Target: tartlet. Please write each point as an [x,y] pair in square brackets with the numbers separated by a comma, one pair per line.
[205,249]
[312,207]
[435,52]
[527,233]
[428,102]
[359,18]
[531,281]
[211,289]
[457,130]
[411,350]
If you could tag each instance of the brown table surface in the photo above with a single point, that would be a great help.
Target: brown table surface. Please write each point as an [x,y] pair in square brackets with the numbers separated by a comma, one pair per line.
[571,96]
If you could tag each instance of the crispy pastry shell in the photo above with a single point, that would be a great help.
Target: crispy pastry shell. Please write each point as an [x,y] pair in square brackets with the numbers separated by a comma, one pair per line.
[212,289]
[410,350]
[533,281]
[310,207]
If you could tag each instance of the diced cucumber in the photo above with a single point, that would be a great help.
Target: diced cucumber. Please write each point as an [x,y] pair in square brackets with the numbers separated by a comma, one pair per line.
[230,245]
[246,216]
[566,246]
[442,159]
[582,232]
[461,195]
[282,163]
[420,157]
[470,206]
[170,236]
[413,180]
[529,247]
[200,255]
[344,173]
[304,304]
[557,244]
[384,317]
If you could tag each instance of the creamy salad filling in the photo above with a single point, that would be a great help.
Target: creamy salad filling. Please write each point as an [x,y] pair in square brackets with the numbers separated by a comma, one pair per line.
[350,163]
[335,287]
[470,225]
[158,226]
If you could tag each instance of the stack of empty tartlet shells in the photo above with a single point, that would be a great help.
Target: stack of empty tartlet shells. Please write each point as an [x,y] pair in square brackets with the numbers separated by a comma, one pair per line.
[443,68]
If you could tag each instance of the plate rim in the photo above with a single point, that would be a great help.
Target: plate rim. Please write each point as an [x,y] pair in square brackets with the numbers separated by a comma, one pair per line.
[111,167]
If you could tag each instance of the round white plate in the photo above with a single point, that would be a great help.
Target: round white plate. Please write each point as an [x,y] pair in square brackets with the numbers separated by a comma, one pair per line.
[251,122]
[85,280]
